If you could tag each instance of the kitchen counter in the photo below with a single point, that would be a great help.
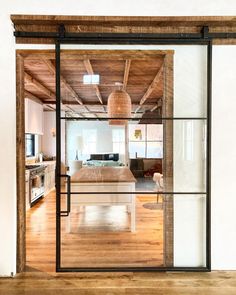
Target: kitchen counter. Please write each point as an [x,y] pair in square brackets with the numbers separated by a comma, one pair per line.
[103,174]
[48,162]
[44,163]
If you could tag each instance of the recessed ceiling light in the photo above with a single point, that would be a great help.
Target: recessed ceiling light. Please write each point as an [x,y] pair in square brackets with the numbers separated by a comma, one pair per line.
[91,79]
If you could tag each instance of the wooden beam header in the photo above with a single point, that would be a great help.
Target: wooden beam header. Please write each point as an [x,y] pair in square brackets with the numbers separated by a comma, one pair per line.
[122,24]
[220,21]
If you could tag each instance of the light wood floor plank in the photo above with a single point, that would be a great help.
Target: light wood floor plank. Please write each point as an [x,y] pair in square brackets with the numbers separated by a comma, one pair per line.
[219,283]
[100,237]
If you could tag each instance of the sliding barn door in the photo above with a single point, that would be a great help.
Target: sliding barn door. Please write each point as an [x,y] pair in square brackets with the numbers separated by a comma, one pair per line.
[133,195]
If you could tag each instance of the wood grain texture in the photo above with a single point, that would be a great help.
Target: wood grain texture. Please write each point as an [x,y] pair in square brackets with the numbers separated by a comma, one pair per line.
[34,62]
[30,54]
[52,69]
[138,78]
[126,73]
[30,80]
[220,21]
[103,174]
[89,69]
[100,237]
[28,94]
[214,283]
[168,206]
[153,85]
[20,163]
[123,24]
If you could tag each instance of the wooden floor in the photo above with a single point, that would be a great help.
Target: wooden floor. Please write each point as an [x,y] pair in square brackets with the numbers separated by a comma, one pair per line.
[100,237]
[215,283]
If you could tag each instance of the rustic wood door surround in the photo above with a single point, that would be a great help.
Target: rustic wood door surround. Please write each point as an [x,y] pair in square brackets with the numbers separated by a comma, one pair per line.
[27,58]
[36,29]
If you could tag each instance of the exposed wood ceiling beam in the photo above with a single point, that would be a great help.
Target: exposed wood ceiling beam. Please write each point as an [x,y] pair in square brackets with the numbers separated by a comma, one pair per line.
[72,114]
[138,108]
[155,106]
[103,113]
[31,80]
[151,87]
[89,104]
[126,73]
[73,111]
[52,69]
[90,71]
[32,96]
[50,107]
[159,104]
[53,107]
[69,108]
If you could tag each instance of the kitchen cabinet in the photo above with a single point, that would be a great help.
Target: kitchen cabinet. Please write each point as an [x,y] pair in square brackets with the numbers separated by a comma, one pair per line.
[33,117]
[49,181]
[27,202]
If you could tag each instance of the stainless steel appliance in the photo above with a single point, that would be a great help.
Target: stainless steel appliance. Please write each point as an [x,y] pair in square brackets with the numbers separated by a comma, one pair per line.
[36,182]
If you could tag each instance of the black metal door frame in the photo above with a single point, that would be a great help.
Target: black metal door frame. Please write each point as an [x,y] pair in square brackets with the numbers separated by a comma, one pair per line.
[141,39]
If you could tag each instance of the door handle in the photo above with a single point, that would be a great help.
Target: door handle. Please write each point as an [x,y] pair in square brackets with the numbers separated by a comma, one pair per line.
[67,212]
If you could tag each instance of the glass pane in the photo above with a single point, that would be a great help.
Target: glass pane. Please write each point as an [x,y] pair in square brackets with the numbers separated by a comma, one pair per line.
[155,150]
[118,134]
[189,154]
[154,132]
[118,147]
[180,158]
[127,232]
[189,230]
[117,170]
[137,150]
[137,132]
[190,81]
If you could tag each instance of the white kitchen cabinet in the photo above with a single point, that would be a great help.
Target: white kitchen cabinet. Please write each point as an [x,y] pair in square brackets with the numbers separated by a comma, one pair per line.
[33,117]
[49,181]
[27,193]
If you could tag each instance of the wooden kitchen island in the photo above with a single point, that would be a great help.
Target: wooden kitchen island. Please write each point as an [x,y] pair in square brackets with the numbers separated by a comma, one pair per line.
[111,181]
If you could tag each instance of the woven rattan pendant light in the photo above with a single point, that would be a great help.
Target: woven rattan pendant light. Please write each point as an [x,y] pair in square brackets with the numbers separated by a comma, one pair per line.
[119,106]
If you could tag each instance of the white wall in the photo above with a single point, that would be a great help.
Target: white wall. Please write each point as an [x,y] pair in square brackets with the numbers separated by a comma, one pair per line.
[224,158]
[104,142]
[48,141]
[223,150]
[33,117]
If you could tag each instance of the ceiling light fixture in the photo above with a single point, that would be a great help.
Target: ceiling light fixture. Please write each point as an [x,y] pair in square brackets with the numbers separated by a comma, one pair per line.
[119,106]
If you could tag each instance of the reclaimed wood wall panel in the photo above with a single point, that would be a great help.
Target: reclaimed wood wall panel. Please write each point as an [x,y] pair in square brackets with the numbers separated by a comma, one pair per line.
[20,164]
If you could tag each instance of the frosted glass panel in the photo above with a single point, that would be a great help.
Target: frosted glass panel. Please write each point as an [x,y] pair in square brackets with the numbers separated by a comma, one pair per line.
[189,165]
[189,230]
[190,81]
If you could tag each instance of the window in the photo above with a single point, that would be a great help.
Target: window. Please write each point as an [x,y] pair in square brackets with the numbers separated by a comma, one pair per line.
[89,141]
[91,79]
[146,141]
[30,145]
[118,140]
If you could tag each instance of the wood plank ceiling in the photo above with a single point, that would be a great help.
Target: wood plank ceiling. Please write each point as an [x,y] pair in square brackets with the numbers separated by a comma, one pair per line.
[141,78]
